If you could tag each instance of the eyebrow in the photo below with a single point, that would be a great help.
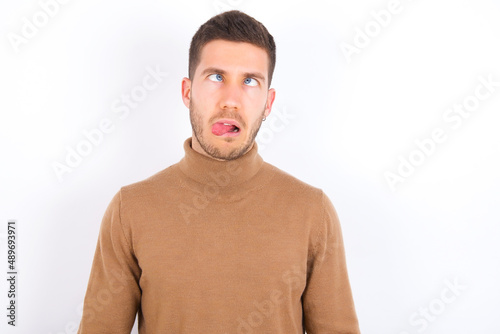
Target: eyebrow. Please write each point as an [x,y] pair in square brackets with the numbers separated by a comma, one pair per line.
[246,74]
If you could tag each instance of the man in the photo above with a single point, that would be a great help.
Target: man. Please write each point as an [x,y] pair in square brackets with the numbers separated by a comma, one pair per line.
[221,242]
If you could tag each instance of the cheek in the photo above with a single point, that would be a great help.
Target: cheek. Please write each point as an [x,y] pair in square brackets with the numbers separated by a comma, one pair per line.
[205,96]
[254,105]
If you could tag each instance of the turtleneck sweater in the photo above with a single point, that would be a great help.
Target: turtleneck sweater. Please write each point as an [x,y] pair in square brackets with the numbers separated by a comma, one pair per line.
[224,247]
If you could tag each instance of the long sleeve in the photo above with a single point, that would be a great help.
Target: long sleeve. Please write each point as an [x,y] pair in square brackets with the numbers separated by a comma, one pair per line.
[328,304]
[113,294]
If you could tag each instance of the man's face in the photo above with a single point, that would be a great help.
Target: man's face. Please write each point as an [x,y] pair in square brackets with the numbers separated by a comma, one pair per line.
[227,98]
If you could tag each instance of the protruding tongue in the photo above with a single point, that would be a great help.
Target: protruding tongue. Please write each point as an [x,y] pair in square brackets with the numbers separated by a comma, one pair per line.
[219,129]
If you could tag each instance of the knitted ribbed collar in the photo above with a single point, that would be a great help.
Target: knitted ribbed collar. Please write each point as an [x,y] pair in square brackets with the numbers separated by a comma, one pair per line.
[228,176]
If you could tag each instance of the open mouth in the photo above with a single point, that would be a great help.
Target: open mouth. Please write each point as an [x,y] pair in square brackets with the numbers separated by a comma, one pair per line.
[225,129]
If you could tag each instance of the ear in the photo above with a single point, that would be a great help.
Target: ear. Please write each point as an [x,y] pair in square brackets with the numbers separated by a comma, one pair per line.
[186,91]
[271,95]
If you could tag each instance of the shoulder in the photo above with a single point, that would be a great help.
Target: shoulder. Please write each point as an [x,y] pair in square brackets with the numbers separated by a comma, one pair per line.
[290,185]
[152,185]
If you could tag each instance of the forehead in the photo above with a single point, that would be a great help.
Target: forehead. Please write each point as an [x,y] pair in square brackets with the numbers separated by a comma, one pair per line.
[240,57]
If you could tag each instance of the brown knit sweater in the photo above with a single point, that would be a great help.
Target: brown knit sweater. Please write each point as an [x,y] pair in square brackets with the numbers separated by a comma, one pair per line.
[216,247]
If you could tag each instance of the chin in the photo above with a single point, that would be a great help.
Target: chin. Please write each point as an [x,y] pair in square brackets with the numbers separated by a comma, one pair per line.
[227,148]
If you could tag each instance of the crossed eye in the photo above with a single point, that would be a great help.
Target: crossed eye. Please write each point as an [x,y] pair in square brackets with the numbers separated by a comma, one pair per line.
[218,78]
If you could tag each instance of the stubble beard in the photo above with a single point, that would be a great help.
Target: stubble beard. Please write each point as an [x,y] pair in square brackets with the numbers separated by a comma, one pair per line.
[212,150]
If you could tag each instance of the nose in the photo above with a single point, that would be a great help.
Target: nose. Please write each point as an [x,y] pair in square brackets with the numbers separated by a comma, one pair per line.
[231,97]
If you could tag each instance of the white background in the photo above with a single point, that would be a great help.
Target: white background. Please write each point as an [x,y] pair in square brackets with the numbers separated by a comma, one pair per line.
[349,123]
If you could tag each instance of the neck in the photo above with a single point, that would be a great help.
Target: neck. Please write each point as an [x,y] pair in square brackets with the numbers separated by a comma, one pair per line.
[227,181]
[205,169]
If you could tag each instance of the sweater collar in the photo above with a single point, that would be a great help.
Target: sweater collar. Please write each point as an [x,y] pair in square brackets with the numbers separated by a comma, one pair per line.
[225,174]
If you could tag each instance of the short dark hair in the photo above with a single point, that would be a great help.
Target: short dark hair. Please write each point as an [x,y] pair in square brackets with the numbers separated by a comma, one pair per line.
[234,26]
